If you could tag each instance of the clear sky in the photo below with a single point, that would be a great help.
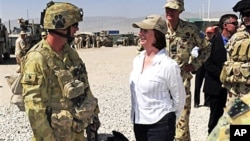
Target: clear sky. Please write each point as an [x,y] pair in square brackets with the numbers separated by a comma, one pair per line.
[14,9]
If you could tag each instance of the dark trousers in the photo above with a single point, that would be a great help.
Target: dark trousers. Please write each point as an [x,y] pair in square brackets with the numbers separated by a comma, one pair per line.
[199,77]
[217,104]
[163,130]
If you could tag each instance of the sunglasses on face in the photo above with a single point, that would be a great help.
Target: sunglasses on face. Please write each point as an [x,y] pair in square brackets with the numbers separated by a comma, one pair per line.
[75,25]
[234,23]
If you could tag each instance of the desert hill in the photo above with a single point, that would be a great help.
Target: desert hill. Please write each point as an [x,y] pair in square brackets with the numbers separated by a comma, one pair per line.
[123,24]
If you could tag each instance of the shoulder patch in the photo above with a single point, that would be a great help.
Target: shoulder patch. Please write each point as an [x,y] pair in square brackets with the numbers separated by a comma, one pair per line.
[238,109]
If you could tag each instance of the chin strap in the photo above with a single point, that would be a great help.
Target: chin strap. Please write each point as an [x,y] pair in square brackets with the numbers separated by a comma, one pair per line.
[68,36]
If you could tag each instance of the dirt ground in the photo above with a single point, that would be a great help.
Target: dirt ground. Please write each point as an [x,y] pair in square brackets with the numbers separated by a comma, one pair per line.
[105,65]
[117,59]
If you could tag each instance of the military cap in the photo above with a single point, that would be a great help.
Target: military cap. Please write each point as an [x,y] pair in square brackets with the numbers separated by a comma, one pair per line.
[175,4]
[152,22]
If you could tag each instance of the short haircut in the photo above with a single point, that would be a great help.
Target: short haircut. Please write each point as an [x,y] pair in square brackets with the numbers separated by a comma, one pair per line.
[224,18]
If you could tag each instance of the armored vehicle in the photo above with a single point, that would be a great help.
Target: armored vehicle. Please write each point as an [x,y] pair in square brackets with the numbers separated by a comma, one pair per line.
[106,40]
[32,30]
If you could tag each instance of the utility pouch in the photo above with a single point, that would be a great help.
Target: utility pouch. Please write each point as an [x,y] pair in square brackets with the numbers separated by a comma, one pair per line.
[235,72]
[61,122]
[73,89]
[64,77]
[84,113]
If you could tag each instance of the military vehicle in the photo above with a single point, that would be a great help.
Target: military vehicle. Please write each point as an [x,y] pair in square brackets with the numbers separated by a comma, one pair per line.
[32,30]
[105,39]
[5,50]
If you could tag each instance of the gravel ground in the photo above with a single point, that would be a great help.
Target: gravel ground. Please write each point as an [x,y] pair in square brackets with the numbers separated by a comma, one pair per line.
[108,71]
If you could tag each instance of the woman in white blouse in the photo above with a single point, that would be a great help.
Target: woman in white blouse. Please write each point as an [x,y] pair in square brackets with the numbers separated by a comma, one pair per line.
[157,91]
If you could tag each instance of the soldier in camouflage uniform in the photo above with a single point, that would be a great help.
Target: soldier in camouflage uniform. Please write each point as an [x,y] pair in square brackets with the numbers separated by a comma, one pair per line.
[235,77]
[181,38]
[58,100]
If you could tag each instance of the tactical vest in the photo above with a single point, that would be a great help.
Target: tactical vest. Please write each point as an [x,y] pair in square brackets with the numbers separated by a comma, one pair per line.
[237,69]
[77,105]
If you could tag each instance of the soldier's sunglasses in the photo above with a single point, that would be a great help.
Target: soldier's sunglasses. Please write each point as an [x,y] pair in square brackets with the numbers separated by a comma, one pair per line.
[234,23]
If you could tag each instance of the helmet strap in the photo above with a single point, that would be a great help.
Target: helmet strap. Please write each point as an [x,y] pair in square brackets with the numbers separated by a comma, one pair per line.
[68,36]
[58,33]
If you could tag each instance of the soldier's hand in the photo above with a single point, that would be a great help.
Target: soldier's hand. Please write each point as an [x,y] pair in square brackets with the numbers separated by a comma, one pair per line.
[188,68]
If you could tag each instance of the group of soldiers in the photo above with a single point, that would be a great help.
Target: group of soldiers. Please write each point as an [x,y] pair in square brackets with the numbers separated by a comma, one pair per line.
[85,41]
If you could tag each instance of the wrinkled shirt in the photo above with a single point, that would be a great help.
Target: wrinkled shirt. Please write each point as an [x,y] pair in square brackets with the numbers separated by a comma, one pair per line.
[181,42]
[156,91]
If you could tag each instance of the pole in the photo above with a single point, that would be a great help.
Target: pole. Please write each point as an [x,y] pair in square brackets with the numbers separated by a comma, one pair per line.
[27,14]
[208,10]
[203,10]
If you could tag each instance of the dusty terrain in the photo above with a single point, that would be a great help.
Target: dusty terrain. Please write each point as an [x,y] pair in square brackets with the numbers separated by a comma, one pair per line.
[108,72]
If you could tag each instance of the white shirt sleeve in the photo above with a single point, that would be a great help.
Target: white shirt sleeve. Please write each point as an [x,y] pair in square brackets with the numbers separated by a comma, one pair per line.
[177,89]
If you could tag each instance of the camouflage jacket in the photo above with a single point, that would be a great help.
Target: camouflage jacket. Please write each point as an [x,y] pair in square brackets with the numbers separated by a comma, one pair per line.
[238,49]
[181,42]
[41,86]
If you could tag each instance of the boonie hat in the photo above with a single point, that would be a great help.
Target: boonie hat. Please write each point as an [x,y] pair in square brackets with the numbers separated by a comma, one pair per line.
[175,4]
[152,22]
[22,33]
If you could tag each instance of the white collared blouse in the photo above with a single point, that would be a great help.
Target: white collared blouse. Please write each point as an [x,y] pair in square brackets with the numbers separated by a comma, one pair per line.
[156,91]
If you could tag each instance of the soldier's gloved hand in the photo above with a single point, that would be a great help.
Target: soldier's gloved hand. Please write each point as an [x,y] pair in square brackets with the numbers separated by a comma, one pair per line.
[96,123]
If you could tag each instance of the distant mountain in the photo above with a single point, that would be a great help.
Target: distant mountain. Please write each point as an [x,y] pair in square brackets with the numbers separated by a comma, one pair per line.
[123,24]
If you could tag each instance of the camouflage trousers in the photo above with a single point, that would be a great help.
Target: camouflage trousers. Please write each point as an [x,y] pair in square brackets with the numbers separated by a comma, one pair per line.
[182,126]
[42,131]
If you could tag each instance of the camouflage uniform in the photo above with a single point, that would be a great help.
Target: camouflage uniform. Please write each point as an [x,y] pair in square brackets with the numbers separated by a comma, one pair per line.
[180,42]
[56,92]
[42,90]
[235,49]
[237,114]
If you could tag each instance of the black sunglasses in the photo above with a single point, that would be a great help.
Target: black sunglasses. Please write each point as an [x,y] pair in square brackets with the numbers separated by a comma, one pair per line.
[234,23]
[75,25]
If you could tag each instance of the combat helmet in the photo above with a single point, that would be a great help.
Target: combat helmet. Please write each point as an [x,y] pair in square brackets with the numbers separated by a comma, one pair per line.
[60,15]
[242,6]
